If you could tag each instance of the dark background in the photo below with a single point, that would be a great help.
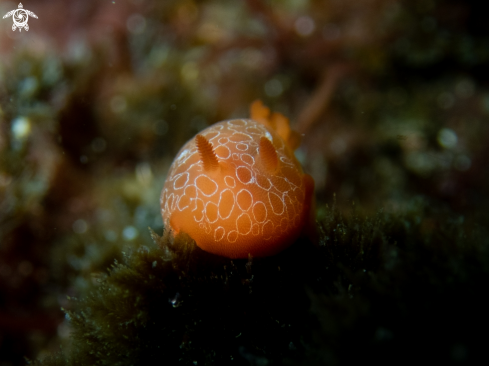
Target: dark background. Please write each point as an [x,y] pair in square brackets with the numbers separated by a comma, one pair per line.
[98,96]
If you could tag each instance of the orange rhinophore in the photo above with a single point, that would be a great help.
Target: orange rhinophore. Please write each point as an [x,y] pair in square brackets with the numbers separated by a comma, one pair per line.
[207,154]
[237,188]
[268,155]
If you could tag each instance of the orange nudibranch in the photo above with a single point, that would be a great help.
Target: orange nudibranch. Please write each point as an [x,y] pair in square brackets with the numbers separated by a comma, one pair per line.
[237,188]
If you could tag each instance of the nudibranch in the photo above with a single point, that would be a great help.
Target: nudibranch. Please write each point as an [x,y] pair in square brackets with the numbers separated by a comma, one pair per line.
[236,188]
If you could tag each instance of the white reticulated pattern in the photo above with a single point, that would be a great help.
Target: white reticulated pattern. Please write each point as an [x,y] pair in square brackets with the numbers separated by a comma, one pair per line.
[241,197]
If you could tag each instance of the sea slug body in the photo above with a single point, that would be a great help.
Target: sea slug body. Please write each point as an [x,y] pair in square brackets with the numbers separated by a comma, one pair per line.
[237,188]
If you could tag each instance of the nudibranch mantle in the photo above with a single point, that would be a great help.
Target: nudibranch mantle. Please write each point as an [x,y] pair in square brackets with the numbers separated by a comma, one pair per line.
[237,189]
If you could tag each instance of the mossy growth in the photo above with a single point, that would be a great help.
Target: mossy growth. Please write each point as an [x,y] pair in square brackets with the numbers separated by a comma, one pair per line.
[377,289]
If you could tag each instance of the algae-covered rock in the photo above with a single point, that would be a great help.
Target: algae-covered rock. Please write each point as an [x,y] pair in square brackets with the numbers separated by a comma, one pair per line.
[371,290]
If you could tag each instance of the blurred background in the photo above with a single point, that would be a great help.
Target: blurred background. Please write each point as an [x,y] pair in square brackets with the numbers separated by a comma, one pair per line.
[97,97]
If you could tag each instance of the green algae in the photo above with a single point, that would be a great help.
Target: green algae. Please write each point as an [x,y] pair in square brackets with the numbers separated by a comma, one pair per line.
[383,286]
